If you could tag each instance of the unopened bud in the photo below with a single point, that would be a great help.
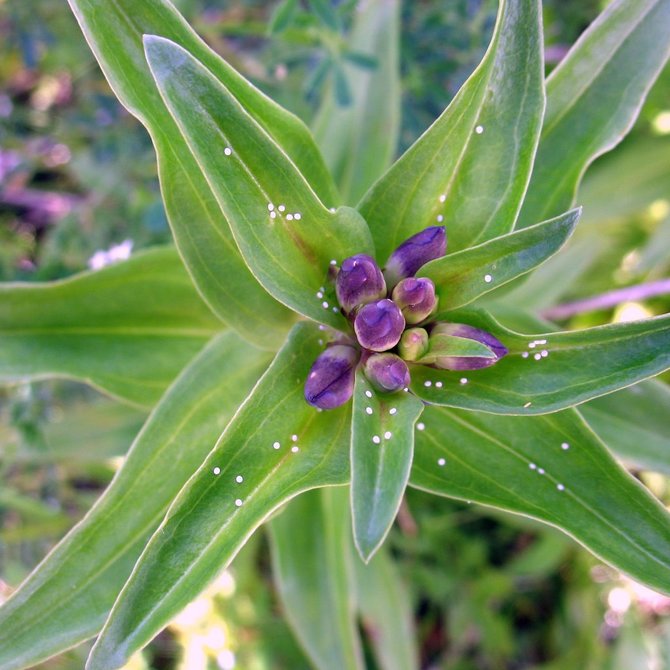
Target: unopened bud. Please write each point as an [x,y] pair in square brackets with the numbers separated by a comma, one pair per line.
[495,347]
[387,372]
[359,282]
[414,252]
[416,298]
[330,382]
[379,325]
[413,344]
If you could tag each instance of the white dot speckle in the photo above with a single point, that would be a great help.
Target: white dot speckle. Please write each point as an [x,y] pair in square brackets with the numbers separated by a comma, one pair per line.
[544,353]
[227,151]
[420,426]
[537,357]
[325,305]
[333,262]
[368,394]
[393,410]
[488,279]
[541,470]
[295,448]
[531,345]
[376,439]
[527,405]
[289,217]
[427,384]
[297,216]
[273,215]
[443,197]
[276,445]
[441,462]
[319,294]
[238,502]
[336,310]
[438,385]
[239,479]
[294,438]
[463,380]
[565,446]
[217,470]
[387,435]
[560,487]
[368,410]
[440,218]
[479,130]
[270,207]
[282,208]
[532,466]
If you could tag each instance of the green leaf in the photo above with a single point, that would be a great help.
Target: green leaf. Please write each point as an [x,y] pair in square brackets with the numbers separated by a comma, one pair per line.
[326,13]
[547,372]
[127,329]
[386,612]
[283,16]
[450,345]
[634,424]
[594,97]
[114,32]
[466,275]
[381,457]
[470,169]
[313,571]
[279,446]
[67,598]
[253,179]
[552,468]
[359,141]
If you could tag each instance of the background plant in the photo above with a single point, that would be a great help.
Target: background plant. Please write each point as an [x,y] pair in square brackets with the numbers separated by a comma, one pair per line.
[154,377]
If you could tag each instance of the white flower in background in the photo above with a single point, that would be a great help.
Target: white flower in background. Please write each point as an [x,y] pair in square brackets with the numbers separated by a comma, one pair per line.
[119,252]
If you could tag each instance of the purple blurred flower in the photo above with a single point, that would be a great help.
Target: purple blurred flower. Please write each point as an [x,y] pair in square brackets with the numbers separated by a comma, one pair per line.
[359,281]
[414,252]
[416,298]
[413,344]
[495,346]
[330,382]
[379,325]
[387,372]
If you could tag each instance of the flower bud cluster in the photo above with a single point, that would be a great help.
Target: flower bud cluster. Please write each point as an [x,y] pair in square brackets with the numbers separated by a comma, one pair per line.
[380,306]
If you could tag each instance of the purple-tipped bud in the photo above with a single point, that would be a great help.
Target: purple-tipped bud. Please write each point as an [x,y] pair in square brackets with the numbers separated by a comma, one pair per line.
[330,382]
[387,372]
[359,282]
[416,298]
[413,344]
[379,325]
[493,344]
[414,252]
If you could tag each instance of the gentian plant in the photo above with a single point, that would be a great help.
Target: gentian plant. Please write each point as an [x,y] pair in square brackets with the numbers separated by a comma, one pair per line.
[325,320]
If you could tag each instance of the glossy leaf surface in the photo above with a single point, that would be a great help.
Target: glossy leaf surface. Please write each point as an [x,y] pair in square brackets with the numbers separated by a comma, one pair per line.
[594,97]
[552,468]
[114,32]
[68,597]
[276,447]
[548,372]
[470,169]
[382,443]
[359,141]
[466,275]
[127,329]
[284,232]
[313,570]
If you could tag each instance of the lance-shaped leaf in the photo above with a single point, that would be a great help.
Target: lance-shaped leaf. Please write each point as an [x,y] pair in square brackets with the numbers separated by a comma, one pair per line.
[552,468]
[359,141]
[276,447]
[470,169]
[634,424]
[114,32]
[594,97]
[466,275]
[313,570]
[127,329]
[548,372]
[382,442]
[284,232]
[67,598]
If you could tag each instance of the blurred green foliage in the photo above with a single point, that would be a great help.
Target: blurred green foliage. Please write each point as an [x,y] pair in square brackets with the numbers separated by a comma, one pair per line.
[78,175]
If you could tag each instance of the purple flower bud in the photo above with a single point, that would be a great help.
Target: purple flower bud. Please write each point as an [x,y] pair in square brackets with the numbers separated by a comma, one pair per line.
[359,281]
[330,382]
[413,344]
[414,252]
[387,372]
[379,325]
[494,345]
[416,298]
